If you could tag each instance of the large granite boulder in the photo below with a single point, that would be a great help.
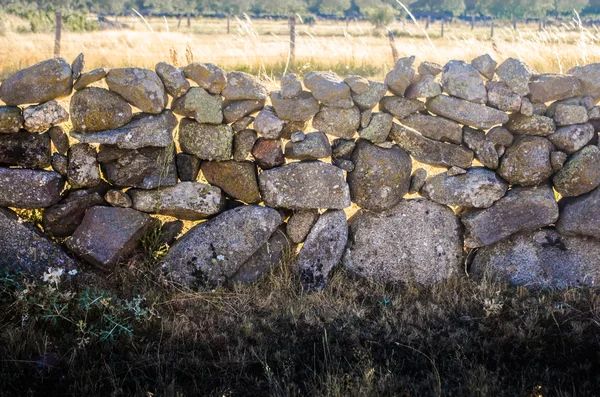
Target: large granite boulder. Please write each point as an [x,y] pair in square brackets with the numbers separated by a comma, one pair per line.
[530,125]
[208,76]
[572,138]
[550,87]
[399,78]
[173,79]
[206,141]
[400,107]
[140,87]
[588,77]
[20,188]
[301,108]
[42,117]
[200,105]
[237,179]
[580,215]
[96,109]
[527,161]
[243,86]
[337,122]
[25,149]
[516,74]
[461,80]
[329,89]
[580,174]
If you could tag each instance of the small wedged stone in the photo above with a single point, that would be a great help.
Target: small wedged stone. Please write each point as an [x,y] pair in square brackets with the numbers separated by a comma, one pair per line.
[399,78]
[500,136]
[291,87]
[188,167]
[108,235]
[300,223]
[542,259]
[234,111]
[580,216]
[485,65]
[371,97]
[329,89]
[484,150]
[323,249]
[550,87]
[516,74]
[417,180]
[588,77]
[343,148]
[431,68]
[530,125]
[342,123]
[580,174]
[90,77]
[478,188]
[572,138]
[521,209]
[314,146]
[527,161]
[198,104]
[378,128]
[242,123]
[502,98]
[304,185]
[21,188]
[527,108]
[42,82]
[267,124]
[557,159]
[95,109]
[453,171]
[436,128]
[243,86]
[301,108]
[173,79]
[140,87]
[400,107]
[428,151]
[214,251]
[297,136]
[465,112]
[206,141]
[186,200]
[243,142]
[236,179]
[208,76]
[83,168]
[424,86]
[415,241]
[25,149]
[268,153]
[461,80]
[118,198]
[41,117]
[77,66]
[346,165]
[358,84]
[290,127]
[570,114]
[60,163]
[169,232]
[144,130]
[381,177]
[11,119]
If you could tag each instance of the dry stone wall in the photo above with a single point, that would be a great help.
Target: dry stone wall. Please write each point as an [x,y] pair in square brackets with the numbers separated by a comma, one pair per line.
[271,174]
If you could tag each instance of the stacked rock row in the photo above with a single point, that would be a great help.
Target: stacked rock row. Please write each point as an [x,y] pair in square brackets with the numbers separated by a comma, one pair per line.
[506,135]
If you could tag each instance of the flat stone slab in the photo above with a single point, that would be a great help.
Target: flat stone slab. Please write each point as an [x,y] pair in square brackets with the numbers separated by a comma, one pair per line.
[25,149]
[580,215]
[465,112]
[29,189]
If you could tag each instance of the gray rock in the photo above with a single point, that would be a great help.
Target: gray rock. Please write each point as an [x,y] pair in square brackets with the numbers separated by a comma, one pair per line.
[558,159]
[188,167]
[108,235]
[485,65]
[588,77]
[118,198]
[90,77]
[541,259]
[291,87]
[465,112]
[314,146]
[337,122]
[300,223]
[96,109]
[570,114]
[186,200]
[580,215]
[378,128]
[214,251]
[298,136]
[523,208]
[268,124]
[532,125]
[234,111]
[62,219]
[417,180]
[526,107]
[365,118]
[549,87]
[208,76]
[173,79]
[198,104]
[431,68]
[241,85]
[323,249]
[206,141]
[25,250]
[30,189]
[242,123]
[169,232]
[400,107]
[500,136]
[381,177]
[243,142]
[25,149]
[527,161]
[300,109]
[77,66]
[478,188]
[140,87]
[399,78]
[371,97]
[358,84]
[146,168]
[431,152]
[144,130]
[42,82]
[293,126]
[424,86]
[268,153]
[539,108]
[415,241]
[60,163]
[461,80]
[304,185]
[436,128]
[343,148]
[236,179]
[502,98]
[329,89]
[572,138]
[594,113]
[453,171]
[574,101]
[41,117]
[83,168]
[484,149]
[516,74]
[346,165]
[580,174]
[11,119]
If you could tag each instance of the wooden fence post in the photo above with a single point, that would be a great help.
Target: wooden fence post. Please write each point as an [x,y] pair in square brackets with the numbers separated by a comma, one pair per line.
[58,33]
[492,32]
[292,41]
[393,45]
[443,20]
[228,28]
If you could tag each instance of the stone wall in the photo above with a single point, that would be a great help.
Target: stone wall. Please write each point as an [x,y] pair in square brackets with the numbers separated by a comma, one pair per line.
[277,173]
